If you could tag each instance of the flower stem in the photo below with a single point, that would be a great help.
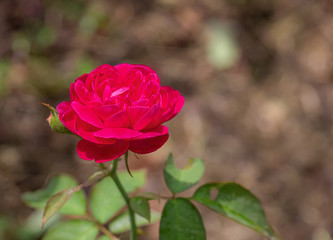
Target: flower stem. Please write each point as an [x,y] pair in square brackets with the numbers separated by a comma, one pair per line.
[115,178]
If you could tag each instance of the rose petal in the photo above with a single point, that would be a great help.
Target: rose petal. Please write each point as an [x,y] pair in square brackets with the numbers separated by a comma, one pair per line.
[101,152]
[119,91]
[103,73]
[82,78]
[107,92]
[82,92]
[171,102]
[86,131]
[117,120]
[135,113]
[148,145]
[123,69]
[64,107]
[161,130]
[69,119]
[145,70]
[176,109]
[179,105]
[150,89]
[86,114]
[106,111]
[150,118]
[118,133]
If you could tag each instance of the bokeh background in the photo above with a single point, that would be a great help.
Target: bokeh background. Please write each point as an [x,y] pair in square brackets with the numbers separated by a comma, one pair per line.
[257,77]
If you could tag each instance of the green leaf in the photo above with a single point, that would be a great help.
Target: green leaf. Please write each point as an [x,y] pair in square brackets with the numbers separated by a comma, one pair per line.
[31,228]
[72,230]
[179,180]
[75,205]
[56,201]
[181,220]
[236,203]
[141,206]
[122,223]
[105,198]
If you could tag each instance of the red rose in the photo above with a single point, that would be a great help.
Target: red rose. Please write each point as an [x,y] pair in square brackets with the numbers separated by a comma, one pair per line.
[119,108]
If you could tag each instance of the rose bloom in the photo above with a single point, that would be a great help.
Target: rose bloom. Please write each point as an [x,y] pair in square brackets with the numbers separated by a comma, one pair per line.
[119,108]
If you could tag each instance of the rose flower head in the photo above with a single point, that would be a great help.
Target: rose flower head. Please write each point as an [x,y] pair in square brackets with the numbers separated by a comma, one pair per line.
[119,108]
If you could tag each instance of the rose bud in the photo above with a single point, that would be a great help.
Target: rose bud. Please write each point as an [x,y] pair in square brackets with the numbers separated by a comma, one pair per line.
[55,124]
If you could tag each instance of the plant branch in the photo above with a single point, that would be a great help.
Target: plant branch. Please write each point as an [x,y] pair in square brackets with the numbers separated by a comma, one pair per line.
[114,176]
[106,232]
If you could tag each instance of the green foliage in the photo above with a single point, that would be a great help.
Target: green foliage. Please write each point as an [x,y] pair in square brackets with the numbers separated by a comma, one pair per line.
[31,229]
[141,206]
[181,220]
[122,223]
[75,205]
[236,203]
[105,198]
[179,180]
[72,230]
[56,201]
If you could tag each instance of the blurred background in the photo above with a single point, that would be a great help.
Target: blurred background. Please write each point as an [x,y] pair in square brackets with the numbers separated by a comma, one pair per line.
[257,77]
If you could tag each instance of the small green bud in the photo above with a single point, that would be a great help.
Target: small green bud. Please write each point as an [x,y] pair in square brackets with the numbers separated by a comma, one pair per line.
[55,122]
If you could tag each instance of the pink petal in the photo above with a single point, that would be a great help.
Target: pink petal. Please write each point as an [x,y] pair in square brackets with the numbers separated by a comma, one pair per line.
[171,102]
[148,145]
[101,152]
[161,130]
[145,70]
[118,133]
[86,131]
[72,93]
[123,69]
[119,91]
[103,73]
[179,105]
[136,113]
[64,107]
[82,92]
[152,116]
[107,92]
[82,78]
[117,120]
[67,115]
[150,88]
[176,108]
[106,111]
[69,119]
[86,114]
